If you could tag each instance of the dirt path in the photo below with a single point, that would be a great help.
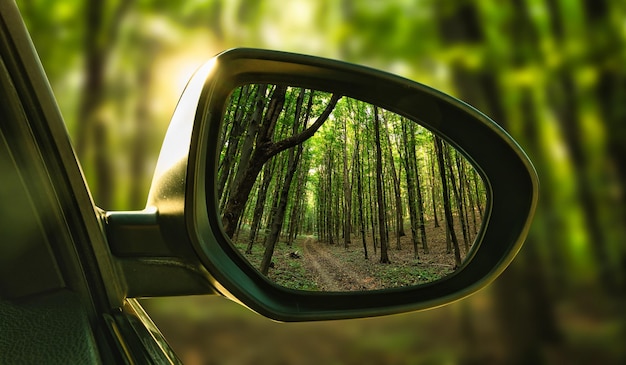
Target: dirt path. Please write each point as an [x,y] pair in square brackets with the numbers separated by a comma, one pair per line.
[331,273]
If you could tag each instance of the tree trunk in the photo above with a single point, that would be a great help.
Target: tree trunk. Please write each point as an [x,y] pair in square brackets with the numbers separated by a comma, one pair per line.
[418,189]
[396,188]
[410,186]
[347,192]
[457,194]
[234,137]
[433,185]
[384,258]
[446,202]
[259,207]
[279,215]
[359,187]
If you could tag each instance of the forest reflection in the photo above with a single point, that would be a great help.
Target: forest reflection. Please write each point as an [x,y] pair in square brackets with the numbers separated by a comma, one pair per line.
[324,192]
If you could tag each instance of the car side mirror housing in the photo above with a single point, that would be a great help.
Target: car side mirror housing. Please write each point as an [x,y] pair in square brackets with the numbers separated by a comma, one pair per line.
[259,130]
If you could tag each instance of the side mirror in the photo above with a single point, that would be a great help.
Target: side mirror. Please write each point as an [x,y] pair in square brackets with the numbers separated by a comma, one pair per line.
[308,189]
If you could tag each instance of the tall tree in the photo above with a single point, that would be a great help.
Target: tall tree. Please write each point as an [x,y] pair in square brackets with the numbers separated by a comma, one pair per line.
[416,212]
[433,187]
[447,206]
[456,191]
[396,184]
[410,186]
[359,185]
[347,190]
[384,258]
[418,190]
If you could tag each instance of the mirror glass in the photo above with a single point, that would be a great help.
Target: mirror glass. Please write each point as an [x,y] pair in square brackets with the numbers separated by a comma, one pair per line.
[328,193]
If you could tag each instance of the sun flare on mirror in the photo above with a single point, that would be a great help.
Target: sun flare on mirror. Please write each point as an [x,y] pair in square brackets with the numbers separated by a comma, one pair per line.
[324,192]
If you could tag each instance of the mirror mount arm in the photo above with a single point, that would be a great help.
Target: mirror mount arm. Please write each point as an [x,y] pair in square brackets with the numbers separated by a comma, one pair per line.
[150,267]
[135,233]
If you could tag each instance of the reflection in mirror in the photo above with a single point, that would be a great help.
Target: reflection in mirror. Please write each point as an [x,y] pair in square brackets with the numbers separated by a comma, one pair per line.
[324,192]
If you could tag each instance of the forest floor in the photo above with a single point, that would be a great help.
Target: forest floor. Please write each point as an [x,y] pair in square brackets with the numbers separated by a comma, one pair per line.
[309,264]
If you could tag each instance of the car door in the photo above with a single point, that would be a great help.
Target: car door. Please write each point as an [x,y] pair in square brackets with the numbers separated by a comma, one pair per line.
[56,278]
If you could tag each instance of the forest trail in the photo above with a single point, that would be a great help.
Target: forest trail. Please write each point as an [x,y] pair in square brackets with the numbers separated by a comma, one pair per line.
[331,273]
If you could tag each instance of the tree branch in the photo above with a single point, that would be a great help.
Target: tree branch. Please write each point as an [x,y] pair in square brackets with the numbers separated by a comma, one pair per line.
[286,143]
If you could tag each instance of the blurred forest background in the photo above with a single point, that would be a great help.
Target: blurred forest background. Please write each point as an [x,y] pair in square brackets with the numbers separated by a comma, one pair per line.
[551,72]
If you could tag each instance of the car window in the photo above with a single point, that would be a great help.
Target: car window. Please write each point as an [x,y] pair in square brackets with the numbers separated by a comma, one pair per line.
[22,231]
